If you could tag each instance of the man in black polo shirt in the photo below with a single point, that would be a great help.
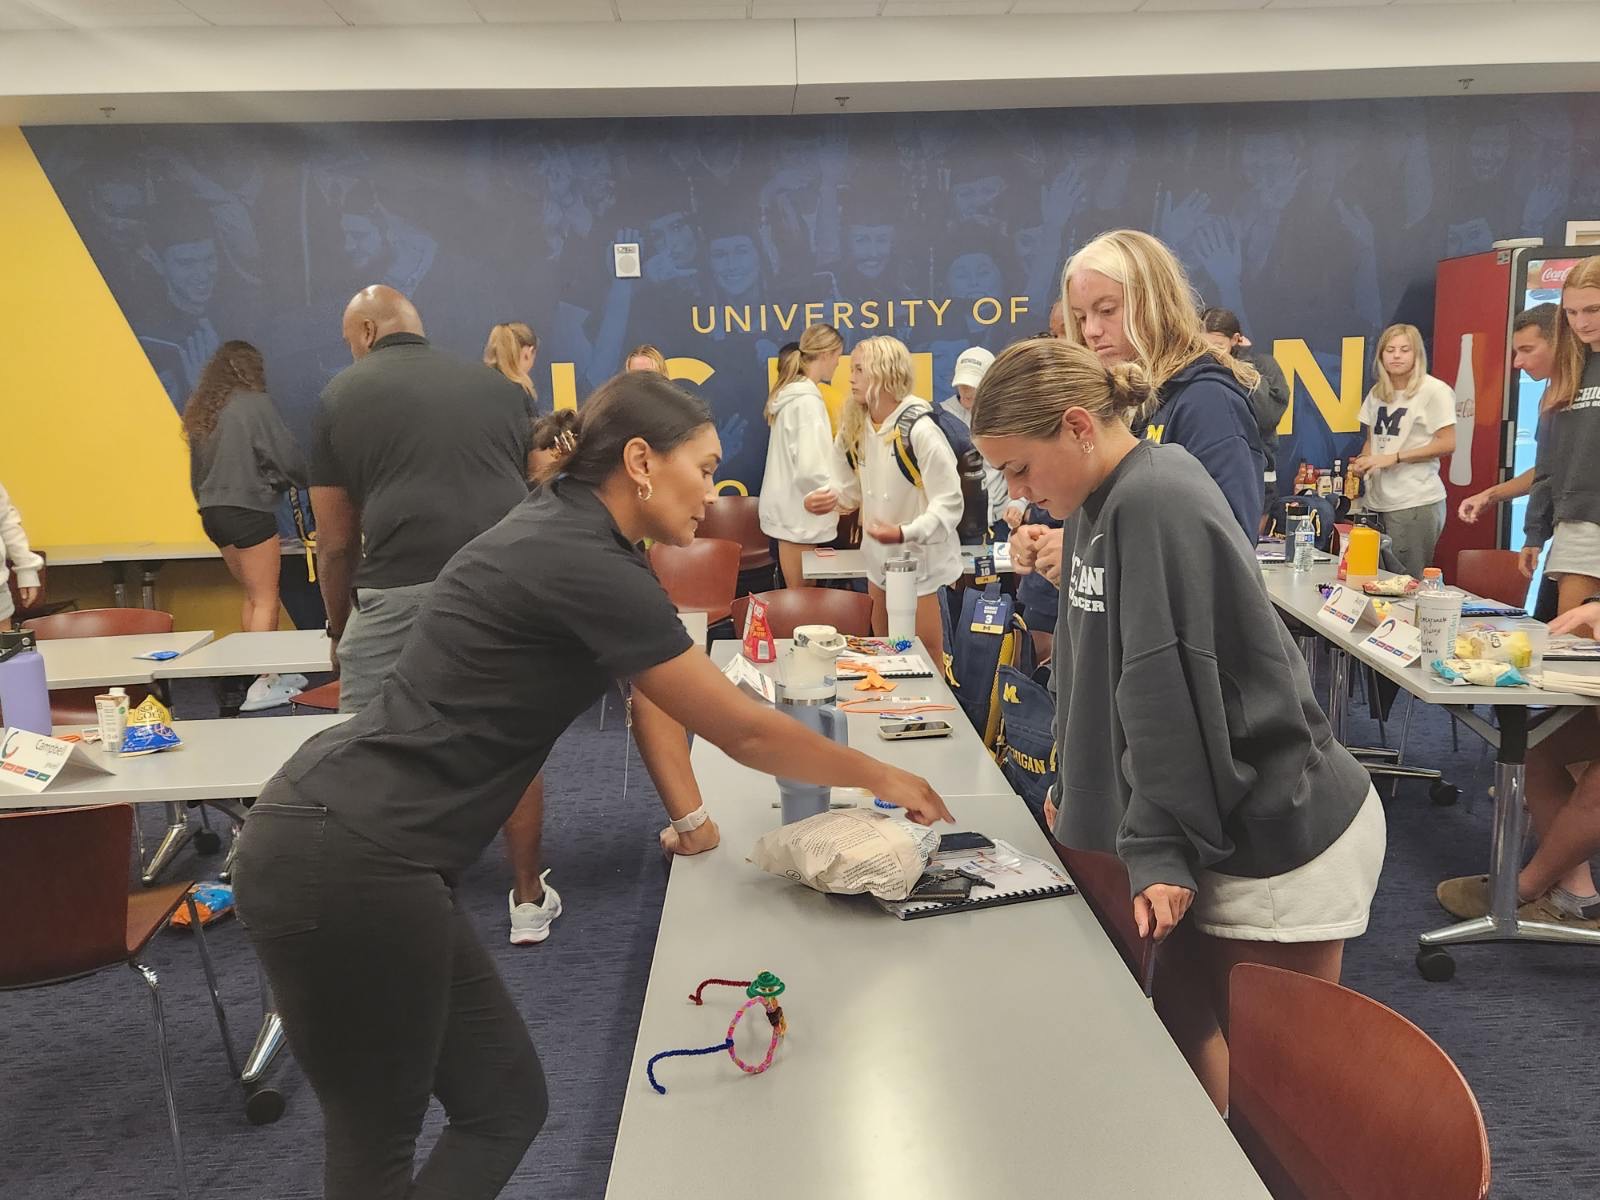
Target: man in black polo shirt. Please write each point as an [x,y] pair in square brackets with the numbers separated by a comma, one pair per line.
[416,453]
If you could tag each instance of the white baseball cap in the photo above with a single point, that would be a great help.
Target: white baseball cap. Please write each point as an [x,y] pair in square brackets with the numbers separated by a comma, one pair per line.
[971,367]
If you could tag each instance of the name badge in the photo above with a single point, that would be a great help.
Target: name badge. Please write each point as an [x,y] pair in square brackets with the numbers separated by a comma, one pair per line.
[31,761]
[986,617]
[1396,641]
[1343,609]
[983,569]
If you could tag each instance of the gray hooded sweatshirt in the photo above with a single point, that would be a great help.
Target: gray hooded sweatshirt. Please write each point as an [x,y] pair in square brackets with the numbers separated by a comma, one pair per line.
[1189,735]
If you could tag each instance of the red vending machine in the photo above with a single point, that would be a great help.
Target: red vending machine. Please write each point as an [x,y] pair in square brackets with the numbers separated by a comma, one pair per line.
[1497,409]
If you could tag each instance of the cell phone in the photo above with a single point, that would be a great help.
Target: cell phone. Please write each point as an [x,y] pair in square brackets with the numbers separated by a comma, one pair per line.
[951,842]
[943,888]
[894,731]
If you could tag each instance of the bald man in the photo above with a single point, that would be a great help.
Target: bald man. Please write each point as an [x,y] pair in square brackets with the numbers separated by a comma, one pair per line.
[416,453]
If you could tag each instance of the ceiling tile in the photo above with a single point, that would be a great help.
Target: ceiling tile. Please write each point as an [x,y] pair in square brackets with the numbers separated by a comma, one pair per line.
[815,9]
[946,8]
[513,11]
[14,14]
[117,14]
[1043,7]
[264,12]
[1198,5]
[407,12]
[682,10]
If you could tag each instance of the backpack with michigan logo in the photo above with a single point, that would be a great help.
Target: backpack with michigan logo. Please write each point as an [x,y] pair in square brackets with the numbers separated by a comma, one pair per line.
[985,636]
[973,528]
[1027,744]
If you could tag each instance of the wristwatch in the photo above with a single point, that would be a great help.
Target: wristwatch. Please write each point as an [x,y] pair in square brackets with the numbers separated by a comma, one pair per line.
[693,821]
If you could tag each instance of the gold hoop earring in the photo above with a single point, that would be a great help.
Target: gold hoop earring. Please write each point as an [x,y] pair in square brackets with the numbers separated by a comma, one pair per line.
[648,490]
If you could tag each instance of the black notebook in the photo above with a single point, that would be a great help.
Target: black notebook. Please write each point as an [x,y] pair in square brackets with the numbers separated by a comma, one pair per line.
[1016,879]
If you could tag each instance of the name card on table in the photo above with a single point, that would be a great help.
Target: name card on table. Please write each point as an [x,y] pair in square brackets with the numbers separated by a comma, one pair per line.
[1344,609]
[742,674]
[31,761]
[1396,641]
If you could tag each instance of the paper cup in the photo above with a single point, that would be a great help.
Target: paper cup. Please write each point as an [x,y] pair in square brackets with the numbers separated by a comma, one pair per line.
[1439,619]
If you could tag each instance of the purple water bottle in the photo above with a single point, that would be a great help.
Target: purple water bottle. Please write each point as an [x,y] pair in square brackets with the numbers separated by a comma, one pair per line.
[24,694]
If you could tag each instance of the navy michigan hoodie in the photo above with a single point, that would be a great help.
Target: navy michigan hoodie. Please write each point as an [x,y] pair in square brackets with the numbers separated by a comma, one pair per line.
[1203,409]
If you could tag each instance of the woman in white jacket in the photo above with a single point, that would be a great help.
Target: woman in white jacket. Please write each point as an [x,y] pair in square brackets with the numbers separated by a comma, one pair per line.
[799,451]
[896,512]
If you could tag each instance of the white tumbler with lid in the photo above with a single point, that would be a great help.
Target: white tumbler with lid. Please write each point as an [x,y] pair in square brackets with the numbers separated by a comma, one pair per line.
[900,595]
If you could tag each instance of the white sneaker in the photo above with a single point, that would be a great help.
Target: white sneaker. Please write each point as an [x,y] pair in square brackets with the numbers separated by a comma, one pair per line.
[298,682]
[268,691]
[530,923]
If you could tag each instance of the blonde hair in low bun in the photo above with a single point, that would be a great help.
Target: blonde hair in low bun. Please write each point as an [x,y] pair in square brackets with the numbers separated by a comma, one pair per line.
[1030,387]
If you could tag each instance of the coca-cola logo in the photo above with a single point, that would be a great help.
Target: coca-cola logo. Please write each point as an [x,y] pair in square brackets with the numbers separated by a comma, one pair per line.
[1554,274]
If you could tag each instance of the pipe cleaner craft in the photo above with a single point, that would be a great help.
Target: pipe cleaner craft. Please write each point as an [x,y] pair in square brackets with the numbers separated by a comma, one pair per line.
[764,991]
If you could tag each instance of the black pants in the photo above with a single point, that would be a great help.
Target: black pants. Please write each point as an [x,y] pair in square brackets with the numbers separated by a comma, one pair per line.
[387,997]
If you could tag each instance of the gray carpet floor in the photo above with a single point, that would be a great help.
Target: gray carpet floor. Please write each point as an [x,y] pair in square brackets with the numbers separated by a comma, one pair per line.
[80,1102]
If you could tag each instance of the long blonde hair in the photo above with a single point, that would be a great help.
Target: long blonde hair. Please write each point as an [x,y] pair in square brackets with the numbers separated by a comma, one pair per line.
[887,365]
[815,342]
[1572,356]
[1382,387]
[1027,390]
[657,359]
[503,352]
[1160,316]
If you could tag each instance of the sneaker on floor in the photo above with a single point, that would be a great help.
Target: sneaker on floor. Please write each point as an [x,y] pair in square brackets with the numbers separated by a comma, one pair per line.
[530,923]
[296,681]
[269,691]
[1464,898]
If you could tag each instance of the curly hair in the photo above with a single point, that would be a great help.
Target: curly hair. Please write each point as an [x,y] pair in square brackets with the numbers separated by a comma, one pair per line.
[235,367]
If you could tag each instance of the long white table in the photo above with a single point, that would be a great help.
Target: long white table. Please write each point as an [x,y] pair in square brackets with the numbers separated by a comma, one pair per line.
[148,555]
[852,564]
[279,652]
[110,661]
[1005,1053]
[1525,716]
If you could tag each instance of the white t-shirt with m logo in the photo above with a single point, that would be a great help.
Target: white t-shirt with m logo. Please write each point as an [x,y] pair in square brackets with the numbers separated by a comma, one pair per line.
[1404,423]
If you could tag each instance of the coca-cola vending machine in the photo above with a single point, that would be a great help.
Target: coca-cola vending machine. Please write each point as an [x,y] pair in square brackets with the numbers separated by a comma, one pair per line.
[1497,409]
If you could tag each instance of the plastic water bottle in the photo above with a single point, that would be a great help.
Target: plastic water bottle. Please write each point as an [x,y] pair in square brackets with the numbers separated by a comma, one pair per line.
[1305,544]
[1432,577]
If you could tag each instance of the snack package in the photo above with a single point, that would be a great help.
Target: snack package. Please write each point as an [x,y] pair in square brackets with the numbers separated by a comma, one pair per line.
[213,900]
[1395,585]
[850,851]
[150,712]
[147,739]
[1464,672]
[1496,645]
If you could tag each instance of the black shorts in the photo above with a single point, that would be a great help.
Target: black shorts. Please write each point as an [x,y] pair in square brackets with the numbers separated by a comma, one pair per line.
[240,528]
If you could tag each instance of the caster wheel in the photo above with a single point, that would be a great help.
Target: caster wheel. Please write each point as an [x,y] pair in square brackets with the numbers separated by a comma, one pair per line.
[263,1105]
[207,841]
[1443,794]
[1436,965]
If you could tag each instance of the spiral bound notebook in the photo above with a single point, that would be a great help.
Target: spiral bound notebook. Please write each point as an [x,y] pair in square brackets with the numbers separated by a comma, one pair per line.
[1016,878]
[890,666]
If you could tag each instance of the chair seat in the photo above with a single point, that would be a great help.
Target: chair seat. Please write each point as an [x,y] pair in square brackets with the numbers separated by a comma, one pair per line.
[325,698]
[148,911]
[754,559]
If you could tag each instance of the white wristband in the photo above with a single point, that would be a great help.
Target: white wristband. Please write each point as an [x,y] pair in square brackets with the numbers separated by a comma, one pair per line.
[693,821]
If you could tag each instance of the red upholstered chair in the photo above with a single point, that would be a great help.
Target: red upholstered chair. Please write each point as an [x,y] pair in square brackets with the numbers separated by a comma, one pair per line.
[75,706]
[69,914]
[1492,574]
[1334,1097]
[1103,881]
[700,577]
[318,699]
[738,519]
[848,612]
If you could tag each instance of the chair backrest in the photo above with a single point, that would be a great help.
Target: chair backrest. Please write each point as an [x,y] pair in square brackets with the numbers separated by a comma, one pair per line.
[702,575]
[1103,881]
[1492,574]
[737,519]
[101,622]
[848,612]
[1333,1096]
[64,892]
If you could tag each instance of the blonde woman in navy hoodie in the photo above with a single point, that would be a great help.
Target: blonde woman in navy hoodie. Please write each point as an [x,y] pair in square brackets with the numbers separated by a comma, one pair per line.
[1129,301]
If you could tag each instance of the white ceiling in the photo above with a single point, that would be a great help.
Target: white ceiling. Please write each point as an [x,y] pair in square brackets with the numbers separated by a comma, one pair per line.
[132,14]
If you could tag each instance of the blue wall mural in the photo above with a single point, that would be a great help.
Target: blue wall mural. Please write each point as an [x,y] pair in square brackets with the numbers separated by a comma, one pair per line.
[1316,222]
